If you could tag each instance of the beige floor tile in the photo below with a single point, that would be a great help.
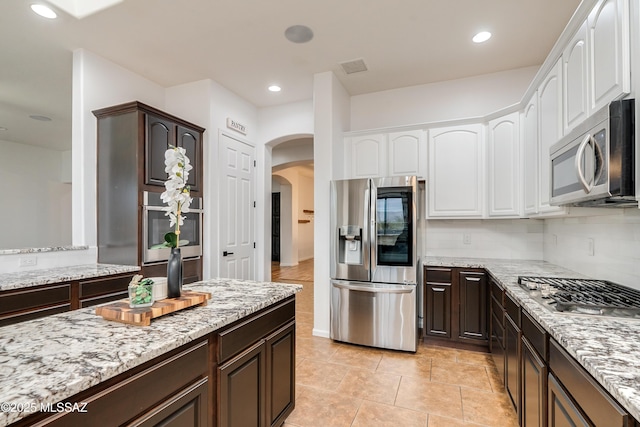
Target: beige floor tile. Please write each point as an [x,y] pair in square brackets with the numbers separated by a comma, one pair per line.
[497,382]
[304,317]
[364,384]
[475,358]
[435,352]
[315,347]
[430,397]
[357,357]
[486,408]
[406,364]
[317,374]
[439,421]
[377,414]
[319,408]
[473,376]
[304,329]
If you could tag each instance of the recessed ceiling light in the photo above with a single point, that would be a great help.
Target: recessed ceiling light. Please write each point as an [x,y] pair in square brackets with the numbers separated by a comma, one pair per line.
[298,34]
[481,37]
[275,88]
[44,11]
[40,118]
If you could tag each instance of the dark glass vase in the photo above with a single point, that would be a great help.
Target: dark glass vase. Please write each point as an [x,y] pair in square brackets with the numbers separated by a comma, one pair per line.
[174,273]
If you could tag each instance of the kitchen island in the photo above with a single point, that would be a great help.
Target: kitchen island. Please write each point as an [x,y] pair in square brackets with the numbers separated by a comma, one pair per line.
[608,348]
[78,357]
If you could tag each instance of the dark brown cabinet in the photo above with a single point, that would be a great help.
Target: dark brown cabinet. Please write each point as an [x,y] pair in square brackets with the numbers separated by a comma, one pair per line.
[473,305]
[256,370]
[242,389]
[170,390]
[23,304]
[438,306]
[162,133]
[512,352]
[496,344]
[562,411]
[456,302]
[534,344]
[132,140]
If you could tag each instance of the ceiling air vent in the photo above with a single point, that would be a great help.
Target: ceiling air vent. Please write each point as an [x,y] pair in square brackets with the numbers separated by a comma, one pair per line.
[355,66]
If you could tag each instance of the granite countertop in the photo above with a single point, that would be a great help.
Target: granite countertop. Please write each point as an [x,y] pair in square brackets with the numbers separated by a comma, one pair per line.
[45,276]
[608,348]
[41,250]
[50,359]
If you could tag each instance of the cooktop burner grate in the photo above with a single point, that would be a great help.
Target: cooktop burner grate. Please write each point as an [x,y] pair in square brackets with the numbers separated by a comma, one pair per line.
[585,295]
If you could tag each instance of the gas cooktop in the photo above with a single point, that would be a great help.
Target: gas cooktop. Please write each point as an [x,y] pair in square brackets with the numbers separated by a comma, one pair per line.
[584,296]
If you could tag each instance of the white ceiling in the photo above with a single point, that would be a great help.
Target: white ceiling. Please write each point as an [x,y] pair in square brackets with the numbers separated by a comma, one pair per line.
[241,45]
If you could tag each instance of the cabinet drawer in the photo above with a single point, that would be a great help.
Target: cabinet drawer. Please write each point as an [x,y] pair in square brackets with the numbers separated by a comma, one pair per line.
[513,309]
[137,394]
[10,319]
[438,275]
[601,409]
[106,285]
[242,335]
[497,310]
[534,334]
[104,299]
[25,299]
[497,292]
[497,329]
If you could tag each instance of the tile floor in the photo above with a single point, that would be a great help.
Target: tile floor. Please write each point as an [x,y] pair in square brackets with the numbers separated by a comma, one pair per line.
[346,385]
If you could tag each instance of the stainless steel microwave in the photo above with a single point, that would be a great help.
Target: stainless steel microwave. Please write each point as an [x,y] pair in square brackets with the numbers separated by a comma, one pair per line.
[594,165]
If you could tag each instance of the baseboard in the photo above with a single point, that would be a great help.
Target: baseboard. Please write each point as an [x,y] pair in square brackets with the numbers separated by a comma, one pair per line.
[284,264]
[320,333]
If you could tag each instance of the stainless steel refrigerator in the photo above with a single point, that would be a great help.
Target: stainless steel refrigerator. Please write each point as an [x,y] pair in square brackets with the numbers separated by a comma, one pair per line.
[374,262]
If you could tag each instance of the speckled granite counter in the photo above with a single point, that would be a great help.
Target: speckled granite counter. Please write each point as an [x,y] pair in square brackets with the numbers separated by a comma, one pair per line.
[608,348]
[41,250]
[49,359]
[45,276]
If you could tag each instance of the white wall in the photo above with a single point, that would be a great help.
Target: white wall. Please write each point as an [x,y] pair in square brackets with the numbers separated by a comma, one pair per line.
[301,235]
[97,83]
[36,209]
[616,245]
[208,104]
[331,120]
[495,238]
[463,98]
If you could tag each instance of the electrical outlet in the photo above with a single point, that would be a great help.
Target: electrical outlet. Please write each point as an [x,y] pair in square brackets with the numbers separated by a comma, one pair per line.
[590,247]
[28,262]
[466,238]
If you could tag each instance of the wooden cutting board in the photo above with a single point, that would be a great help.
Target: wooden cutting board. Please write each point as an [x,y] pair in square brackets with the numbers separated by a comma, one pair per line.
[120,311]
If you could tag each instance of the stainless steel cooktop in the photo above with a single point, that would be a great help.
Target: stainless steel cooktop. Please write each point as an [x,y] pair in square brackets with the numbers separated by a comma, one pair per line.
[584,296]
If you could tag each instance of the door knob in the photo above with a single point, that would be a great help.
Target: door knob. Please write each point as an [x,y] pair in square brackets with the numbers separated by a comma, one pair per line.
[225,253]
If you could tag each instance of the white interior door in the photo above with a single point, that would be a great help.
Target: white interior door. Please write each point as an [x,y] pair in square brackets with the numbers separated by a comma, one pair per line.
[237,209]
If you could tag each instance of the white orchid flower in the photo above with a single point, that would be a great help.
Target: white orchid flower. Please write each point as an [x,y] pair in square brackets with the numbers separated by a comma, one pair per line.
[176,194]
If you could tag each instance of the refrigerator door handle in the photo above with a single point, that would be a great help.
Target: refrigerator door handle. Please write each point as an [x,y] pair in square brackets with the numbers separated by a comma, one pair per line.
[400,289]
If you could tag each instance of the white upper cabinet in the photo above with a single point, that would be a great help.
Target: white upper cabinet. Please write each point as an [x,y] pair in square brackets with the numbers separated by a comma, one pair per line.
[456,171]
[407,153]
[608,25]
[504,166]
[366,156]
[596,62]
[529,125]
[575,68]
[549,132]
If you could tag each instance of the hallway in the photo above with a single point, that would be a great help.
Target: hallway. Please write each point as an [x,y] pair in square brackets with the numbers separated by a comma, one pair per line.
[344,385]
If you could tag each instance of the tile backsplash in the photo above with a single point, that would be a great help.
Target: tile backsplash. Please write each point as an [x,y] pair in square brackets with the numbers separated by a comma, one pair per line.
[603,246]
[494,238]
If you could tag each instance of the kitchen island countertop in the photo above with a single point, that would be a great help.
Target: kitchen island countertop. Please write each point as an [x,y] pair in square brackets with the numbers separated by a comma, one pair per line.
[608,348]
[46,276]
[50,359]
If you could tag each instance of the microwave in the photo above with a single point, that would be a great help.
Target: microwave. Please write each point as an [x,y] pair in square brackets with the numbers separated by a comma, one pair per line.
[594,164]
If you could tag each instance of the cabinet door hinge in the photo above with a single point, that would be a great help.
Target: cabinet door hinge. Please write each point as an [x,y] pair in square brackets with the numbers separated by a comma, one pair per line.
[254,203]
[254,245]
